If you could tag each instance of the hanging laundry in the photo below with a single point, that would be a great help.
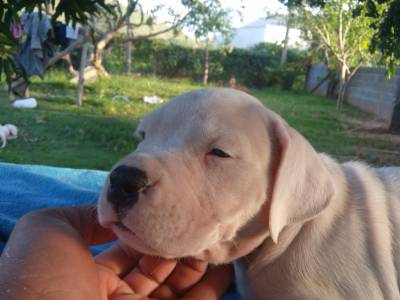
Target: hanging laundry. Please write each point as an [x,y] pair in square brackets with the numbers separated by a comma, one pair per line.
[37,27]
[19,86]
[60,35]
[72,32]
[16,29]
[36,51]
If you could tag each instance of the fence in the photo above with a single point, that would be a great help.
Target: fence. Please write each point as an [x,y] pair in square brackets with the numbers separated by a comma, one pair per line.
[369,89]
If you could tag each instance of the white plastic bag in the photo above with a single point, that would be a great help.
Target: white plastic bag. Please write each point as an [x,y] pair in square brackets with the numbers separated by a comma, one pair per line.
[25,103]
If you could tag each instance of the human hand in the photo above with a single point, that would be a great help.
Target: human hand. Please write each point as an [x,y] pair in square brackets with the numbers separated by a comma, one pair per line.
[128,275]
[47,257]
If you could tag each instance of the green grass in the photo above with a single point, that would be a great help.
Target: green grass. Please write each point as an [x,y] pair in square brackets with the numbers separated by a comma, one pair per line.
[316,118]
[96,135]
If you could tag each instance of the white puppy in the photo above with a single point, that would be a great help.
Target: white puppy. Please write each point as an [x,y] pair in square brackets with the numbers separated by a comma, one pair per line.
[220,177]
[3,136]
[7,132]
[12,131]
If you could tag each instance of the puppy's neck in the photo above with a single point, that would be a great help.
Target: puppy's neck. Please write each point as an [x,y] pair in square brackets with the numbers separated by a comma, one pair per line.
[268,251]
[312,230]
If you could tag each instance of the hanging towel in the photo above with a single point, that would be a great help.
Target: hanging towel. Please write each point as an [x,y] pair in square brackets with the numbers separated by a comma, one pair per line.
[72,32]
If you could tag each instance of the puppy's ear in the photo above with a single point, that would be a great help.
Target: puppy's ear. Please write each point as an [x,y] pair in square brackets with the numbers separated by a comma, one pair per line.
[301,183]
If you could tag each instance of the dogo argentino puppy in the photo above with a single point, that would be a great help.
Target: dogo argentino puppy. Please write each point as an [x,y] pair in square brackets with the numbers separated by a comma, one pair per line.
[219,177]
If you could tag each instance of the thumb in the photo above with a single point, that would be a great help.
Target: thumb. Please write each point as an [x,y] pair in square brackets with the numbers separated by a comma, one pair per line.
[84,220]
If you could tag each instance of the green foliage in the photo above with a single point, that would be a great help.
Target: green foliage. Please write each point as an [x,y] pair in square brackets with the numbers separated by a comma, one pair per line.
[385,14]
[384,19]
[210,17]
[335,29]
[74,10]
[7,46]
[256,67]
[293,3]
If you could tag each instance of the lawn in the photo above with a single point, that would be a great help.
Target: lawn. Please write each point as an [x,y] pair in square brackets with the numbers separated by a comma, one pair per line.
[96,135]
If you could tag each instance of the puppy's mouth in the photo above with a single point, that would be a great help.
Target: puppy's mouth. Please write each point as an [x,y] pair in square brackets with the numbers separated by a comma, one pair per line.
[132,240]
[121,226]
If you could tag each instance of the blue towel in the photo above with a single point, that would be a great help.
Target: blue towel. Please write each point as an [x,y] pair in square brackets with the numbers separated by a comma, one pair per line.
[24,188]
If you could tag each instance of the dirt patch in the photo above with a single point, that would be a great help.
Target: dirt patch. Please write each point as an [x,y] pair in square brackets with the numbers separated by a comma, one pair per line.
[370,128]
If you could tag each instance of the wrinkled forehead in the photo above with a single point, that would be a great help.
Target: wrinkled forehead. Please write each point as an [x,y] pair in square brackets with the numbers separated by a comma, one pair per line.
[208,113]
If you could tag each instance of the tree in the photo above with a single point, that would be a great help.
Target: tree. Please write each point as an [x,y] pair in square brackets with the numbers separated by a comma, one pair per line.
[205,12]
[289,21]
[344,37]
[116,18]
[74,10]
[212,19]
[385,20]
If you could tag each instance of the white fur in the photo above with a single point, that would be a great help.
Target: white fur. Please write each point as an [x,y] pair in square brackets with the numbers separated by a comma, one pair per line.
[12,131]
[3,136]
[298,224]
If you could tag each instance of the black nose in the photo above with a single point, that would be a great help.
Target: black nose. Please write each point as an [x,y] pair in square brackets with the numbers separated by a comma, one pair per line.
[125,184]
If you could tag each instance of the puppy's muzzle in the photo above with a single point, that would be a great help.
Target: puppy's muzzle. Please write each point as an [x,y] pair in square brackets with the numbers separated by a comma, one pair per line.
[126,183]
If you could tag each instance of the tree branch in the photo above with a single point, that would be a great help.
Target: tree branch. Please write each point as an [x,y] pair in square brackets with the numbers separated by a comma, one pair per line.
[74,46]
[93,26]
[145,36]
[340,33]
[141,17]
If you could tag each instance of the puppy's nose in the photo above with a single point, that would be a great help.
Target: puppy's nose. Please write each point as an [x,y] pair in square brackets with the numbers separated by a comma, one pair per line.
[125,185]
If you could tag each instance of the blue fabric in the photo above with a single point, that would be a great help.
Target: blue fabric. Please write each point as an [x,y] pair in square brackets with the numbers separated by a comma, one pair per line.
[24,188]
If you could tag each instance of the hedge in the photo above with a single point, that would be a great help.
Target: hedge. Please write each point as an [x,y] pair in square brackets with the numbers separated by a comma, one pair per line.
[255,67]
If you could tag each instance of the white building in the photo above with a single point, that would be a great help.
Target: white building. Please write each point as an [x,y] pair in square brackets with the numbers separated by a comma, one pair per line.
[266,30]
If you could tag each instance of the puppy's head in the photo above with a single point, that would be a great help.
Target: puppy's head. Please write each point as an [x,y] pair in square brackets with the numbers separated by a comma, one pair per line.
[214,175]
[12,131]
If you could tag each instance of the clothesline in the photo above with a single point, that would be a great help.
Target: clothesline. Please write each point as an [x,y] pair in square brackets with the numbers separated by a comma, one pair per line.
[38,39]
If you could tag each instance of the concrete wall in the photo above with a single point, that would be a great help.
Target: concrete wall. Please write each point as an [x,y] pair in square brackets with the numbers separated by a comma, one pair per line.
[370,90]
[316,73]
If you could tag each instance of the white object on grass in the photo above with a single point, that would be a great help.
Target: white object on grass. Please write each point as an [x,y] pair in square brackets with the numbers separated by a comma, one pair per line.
[25,103]
[152,99]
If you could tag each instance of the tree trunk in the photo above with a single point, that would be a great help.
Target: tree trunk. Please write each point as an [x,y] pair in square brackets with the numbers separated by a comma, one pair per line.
[67,59]
[82,65]
[326,57]
[98,63]
[342,87]
[286,41]
[128,50]
[99,50]
[72,47]
[205,78]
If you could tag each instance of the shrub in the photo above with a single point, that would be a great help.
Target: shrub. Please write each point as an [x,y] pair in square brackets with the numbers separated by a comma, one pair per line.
[255,67]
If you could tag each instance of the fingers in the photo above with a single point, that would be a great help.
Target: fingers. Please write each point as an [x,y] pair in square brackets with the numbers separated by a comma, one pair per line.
[213,285]
[186,274]
[149,274]
[119,259]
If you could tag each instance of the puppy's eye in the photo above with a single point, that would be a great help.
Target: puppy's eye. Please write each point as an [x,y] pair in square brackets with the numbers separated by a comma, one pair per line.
[219,153]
